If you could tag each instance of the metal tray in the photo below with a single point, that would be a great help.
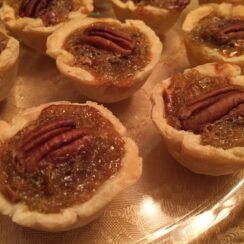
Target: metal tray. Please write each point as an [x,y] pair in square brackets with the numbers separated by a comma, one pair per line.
[169,204]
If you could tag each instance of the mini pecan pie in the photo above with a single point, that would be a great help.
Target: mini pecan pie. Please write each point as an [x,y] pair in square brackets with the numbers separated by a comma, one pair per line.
[32,21]
[215,33]
[159,15]
[200,115]
[107,60]
[61,163]
[9,56]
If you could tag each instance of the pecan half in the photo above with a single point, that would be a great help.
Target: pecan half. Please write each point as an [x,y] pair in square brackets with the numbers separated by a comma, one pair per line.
[233,31]
[45,132]
[109,39]
[178,5]
[10,194]
[33,8]
[238,110]
[210,107]
[58,139]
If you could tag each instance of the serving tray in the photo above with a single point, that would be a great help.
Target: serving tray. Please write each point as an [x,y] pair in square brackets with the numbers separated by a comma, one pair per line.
[169,204]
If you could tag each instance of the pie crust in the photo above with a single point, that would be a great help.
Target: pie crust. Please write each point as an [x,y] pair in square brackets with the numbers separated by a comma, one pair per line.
[77,215]
[185,146]
[85,82]
[159,19]
[220,1]
[8,65]
[200,54]
[31,31]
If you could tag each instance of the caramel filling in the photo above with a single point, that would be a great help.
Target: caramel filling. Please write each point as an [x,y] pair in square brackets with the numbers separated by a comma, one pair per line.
[209,106]
[60,159]
[224,34]
[52,12]
[168,4]
[111,53]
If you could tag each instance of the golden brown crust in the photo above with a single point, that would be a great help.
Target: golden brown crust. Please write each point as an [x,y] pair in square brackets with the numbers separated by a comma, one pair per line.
[78,215]
[200,54]
[221,1]
[185,146]
[159,19]
[32,32]
[8,66]
[85,82]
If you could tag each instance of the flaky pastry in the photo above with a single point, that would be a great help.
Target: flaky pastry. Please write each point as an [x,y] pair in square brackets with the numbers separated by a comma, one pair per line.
[159,18]
[25,19]
[221,1]
[9,57]
[192,135]
[105,59]
[38,194]
[213,33]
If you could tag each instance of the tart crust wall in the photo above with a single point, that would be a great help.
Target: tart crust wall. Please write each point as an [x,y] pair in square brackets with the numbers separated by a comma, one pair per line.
[32,32]
[159,19]
[85,82]
[185,146]
[221,1]
[77,215]
[8,66]
[199,53]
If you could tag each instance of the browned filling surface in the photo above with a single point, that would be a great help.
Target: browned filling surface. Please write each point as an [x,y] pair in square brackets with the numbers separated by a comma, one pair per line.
[111,53]
[52,12]
[224,34]
[209,106]
[168,4]
[3,42]
[60,159]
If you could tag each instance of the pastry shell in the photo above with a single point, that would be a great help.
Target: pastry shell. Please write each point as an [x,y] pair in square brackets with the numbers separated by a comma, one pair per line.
[199,53]
[77,215]
[8,66]
[221,1]
[159,19]
[85,82]
[185,146]
[31,31]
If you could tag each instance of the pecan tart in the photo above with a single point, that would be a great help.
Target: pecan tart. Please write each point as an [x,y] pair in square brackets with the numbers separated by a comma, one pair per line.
[215,33]
[32,21]
[200,114]
[159,15]
[105,59]
[9,56]
[61,163]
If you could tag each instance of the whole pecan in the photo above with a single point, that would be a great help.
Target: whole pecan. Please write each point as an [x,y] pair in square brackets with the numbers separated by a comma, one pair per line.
[232,31]
[109,39]
[58,139]
[210,107]
[33,8]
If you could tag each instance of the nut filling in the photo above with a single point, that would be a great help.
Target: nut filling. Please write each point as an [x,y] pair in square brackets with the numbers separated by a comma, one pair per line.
[209,106]
[227,35]
[112,54]
[60,159]
[52,12]
[173,5]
